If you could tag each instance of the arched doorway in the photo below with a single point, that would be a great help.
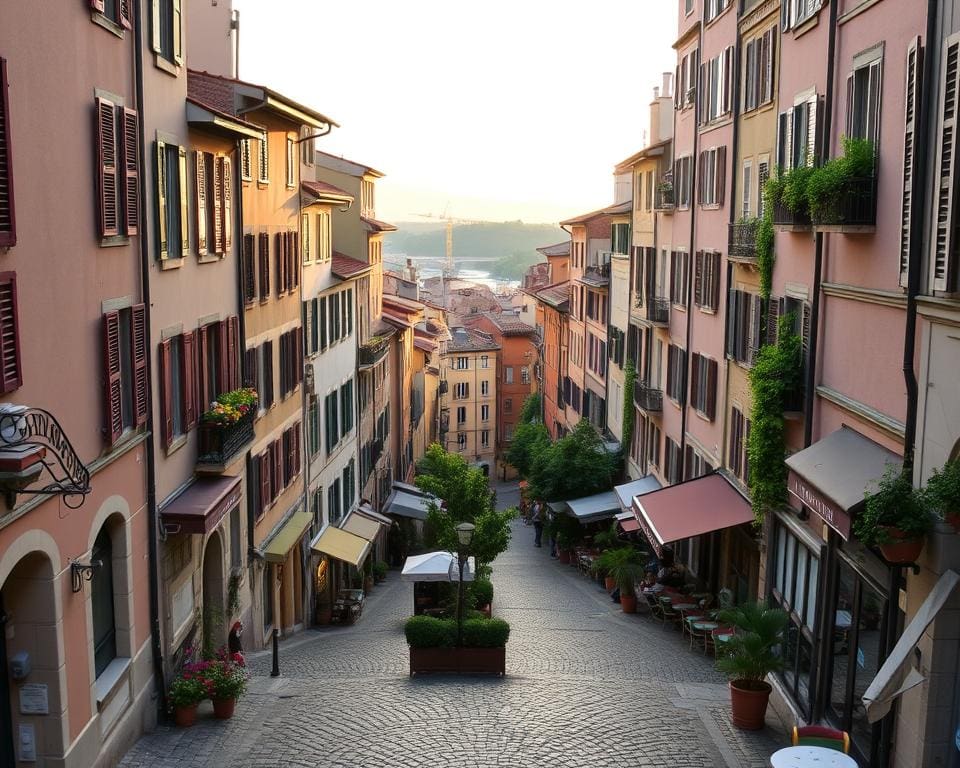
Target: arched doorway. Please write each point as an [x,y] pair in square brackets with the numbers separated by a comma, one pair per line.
[214,631]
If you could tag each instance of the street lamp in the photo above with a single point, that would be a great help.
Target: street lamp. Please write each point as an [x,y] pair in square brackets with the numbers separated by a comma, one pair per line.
[464,537]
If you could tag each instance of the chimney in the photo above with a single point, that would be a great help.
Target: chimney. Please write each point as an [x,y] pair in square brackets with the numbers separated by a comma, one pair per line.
[667,83]
[656,93]
[654,119]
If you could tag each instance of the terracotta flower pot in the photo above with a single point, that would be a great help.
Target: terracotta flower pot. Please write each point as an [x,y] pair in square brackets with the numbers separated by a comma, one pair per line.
[901,549]
[223,708]
[610,583]
[184,717]
[628,603]
[748,699]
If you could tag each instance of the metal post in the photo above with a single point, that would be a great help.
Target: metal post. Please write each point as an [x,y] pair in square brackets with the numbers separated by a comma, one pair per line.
[275,672]
[461,561]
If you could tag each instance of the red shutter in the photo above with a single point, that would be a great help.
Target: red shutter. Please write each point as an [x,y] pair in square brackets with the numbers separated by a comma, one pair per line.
[233,352]
[203,372]
[138,353]
[249,280]
[97,5]
[11,375]
[188,371]
[203,225]
[131,171]
[8,219]
[277,467]
[126,14]
[266,487]
[223,358]
[264,257]
[217,205]
[281,265]
[712,389]
[166,376]
[107,167]
[113,386]
[226,210]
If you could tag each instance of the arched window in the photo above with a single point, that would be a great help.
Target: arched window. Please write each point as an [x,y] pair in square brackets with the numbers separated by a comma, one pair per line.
[101,592]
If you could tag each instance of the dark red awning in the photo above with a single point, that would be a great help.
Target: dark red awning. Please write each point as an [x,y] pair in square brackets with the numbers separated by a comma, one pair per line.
[629,525]
[201,506]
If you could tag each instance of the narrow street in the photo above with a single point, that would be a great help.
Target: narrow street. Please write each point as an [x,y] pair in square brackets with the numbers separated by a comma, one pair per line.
[586,686]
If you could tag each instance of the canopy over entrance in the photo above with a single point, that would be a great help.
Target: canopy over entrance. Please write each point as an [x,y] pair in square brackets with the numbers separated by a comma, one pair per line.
[436,566]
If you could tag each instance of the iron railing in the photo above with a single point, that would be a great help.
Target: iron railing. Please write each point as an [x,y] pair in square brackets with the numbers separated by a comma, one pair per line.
[598,271]
[742,240]
[373,352]
[856,206]
[647,397]
[218,443]
[663,199]
[658,310]
[784,217]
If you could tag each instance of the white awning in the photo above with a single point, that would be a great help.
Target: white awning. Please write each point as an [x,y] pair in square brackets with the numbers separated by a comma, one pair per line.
[436,566]
[627,491]
[894,677]
[595,507]
[405,504]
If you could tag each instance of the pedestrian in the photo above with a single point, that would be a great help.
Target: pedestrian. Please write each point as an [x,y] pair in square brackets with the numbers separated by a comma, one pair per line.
[552,532]
[537,523]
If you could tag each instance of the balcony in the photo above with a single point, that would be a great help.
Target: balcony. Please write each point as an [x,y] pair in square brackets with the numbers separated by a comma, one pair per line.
[663,199]
[220,443]
[597,274]
[658,310]
[372,352]
[852,211]
[742,240]
[647,397]
[786,220]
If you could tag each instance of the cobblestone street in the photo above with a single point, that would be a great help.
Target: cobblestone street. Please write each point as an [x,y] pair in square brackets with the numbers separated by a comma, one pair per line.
[586,686]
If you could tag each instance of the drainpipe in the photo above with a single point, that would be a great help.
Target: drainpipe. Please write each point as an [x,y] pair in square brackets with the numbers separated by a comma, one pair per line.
[152,515]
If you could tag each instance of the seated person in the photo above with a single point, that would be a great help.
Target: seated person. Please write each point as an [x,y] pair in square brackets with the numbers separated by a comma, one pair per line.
[671,573]
[650,585]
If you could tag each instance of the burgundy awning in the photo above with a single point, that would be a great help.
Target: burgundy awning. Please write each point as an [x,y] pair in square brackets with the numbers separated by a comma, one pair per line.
[199,508]
[689,509]
[629,525]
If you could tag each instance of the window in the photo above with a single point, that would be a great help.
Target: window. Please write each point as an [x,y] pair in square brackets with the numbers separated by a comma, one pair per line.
[263,160]
[943,275]
[696,465]
[367,206]
[246,161]
[712,176]
[291,163]
[463,363]
[8,219]
[703,385]
[167,30]
[116,11]
[671,466]
[177,386]
[508,374]
[11,372]
[461,441]
[461,391]
[291,361]
[333,502]
[101,600]
[763,173]
[484,413]
[744,329]
[683,181]
[746,186]
[797,133]
[125,348]
[758,70]
[324,249]
[676,373]
[524,375]
[863,97]
[461,415]
[713,8]
[305,244]
[263,266]
[653,444]
[346,408]
[172,201]
[706,280]
[485,438]
[508,405]
[213,195]
[484,361]
[118,169]
[716,77]
[331,421]
[687,78]
[679,277]
[267,597]
[795,12]
[737,457]
[688,6]
[484,388]
[349,493]
[313,427]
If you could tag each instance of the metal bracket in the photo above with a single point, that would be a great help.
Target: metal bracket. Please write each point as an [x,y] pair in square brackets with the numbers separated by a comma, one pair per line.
[81,572]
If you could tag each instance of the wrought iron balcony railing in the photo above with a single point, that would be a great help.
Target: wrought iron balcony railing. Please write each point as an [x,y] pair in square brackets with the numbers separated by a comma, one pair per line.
[647,397]
[663,199]
[219,443]
[658,310]
[373,351]
[855,208]
[784,217]
[742,241]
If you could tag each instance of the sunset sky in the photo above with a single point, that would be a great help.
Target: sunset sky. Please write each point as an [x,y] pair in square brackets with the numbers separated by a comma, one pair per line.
[496,110]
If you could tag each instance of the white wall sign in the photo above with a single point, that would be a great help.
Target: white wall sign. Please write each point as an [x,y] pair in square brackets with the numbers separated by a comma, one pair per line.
[28,744]
[33,699]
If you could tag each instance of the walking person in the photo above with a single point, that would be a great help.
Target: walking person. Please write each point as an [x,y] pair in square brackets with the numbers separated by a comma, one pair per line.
[537,523]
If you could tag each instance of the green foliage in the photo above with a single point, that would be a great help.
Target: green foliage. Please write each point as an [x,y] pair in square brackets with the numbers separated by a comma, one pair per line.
[482,592]
[530,412]
[607,538]
[380,570]
[753,651]
[186,691]
[625,566]
[765,252]
[629,379]
[894,503]
[796,183]
[829,183]
[530,439]
[485,633]
[429,632]
[566,530]
[574,466]
[775,373]
[943,489]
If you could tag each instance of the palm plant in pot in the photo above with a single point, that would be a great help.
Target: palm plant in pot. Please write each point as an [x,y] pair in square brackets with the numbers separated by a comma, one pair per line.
[896,518]
[749,656]
[605,540]
[943,492]
[625,566]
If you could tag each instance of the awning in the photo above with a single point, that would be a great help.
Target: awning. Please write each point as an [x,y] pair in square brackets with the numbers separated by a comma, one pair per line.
[202,505]
[405,504]
[362,526]
[894,677]
[342,545]
[691,508]
[833,475]
[629,525]
[436,566]
[285,538]
[596,507]
[369,512]
[620,516]
[627,491]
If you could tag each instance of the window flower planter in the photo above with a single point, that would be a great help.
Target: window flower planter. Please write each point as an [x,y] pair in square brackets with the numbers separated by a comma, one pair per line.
[219,443]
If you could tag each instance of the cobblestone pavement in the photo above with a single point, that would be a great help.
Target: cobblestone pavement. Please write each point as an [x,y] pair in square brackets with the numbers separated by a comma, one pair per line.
[586,686]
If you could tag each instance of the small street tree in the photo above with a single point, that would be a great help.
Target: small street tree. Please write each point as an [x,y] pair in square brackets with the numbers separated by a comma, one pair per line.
[530,437]
[574,466]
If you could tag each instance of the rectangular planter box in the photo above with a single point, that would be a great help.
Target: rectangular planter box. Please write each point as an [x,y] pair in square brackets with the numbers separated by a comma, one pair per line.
[458,661]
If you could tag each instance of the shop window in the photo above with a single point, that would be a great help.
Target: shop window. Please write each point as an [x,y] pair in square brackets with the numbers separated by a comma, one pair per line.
[101,599]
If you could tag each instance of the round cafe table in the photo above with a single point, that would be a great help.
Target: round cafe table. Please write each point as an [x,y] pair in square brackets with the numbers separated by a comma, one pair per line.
[811,757]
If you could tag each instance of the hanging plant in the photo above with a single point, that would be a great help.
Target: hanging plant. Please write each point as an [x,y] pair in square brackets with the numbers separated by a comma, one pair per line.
[629,379]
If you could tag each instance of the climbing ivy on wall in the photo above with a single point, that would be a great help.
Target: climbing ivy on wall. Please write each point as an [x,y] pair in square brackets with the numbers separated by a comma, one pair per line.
[629,379]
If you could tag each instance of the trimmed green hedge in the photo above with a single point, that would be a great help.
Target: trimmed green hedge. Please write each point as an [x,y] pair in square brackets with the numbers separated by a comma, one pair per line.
[485,633]
[429,632]
[482,591]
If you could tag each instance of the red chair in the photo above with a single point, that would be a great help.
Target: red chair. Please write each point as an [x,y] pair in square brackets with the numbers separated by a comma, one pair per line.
[820,736]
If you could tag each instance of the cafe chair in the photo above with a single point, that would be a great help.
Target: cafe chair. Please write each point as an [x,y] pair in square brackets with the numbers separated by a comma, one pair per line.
[820,736]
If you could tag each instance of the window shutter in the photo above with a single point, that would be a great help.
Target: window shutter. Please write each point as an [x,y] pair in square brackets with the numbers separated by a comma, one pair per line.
[698,279]
[203,371]
[944,266]
[295,258]
[268,373]
[97,5]
[755,331]
[323,322]
[249,280]
[223,358]
[155,27]
[731,322]
[849,125]
[715,284]
[307,310]
[12,373]
[250,370]
[138,353]
[805,332]
[166,376]
[297,442]
[812,154]
[266,486]
[299,343]
[131,170]
[188,371]
[217,190]
[178,37]
[8,219]
[773,316]
[911,107]
[277,467]
[107,163]
[721,175]
[292,468]
[695,380]
[281,264]
[162,197]
[788,140]
[184,209]
[226,209]
[126,14]
[712,389]
[113,390]
[264,256]
[200,163]
[233,352]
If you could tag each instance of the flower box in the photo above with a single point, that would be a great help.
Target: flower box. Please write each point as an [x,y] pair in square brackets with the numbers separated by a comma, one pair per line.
[219,443]
[458,661]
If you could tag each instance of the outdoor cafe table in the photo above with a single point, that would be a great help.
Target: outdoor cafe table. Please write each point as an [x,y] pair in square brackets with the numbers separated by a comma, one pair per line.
[811,757]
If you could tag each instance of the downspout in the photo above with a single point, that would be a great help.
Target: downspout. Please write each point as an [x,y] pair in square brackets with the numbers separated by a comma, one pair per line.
[152,513]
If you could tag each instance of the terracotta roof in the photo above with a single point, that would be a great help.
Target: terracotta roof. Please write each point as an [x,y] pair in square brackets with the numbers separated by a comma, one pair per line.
[320,189]
[402,304]
[555,295]
[367,168]
[653,150]
[222,112]
[345,267]
[469,340]
[559,249]
[377,226]
[585,217]
[424,345]
[399,322]
[514,327]
[619,208]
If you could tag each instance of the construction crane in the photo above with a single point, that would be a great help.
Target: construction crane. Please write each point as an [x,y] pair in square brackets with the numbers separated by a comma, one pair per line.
[450,221]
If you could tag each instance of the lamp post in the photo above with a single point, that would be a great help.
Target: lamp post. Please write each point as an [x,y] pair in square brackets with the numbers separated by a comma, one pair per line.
[464,537]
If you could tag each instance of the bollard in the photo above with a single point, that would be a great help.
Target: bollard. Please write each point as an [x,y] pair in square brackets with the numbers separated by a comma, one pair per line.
[275,672]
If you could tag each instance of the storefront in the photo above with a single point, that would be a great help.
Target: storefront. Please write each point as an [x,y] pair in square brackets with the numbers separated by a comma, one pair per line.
[840,596]
[283,575]
[334,551]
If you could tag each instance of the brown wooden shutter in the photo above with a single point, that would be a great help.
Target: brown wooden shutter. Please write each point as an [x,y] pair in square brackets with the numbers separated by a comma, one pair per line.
[264,257]
[911,109]
[715,292]
[268,373]
[12,373]
[226,209]
[166,376]
[291,436]
[97,5]
[266,486]
[695,381]
[131,171]
[188,370]
[281,265]
[299,341]
[711,389]
[250,370]
[698,279]
[283,364]
[161,191]
[223,358]
[805,321]
[113,386]
[249,269]
[721,175]
[275,449]
[297,440]
[126,14]
[107,165]
[732,444]
[200,165]
[233,352]
[8,219]
[203,370]
[217,193]
[184,207]
[138,353]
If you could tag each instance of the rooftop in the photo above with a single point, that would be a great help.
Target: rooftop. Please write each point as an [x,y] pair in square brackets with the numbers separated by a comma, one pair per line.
[346,267]
[320,190]
[336,162]
[558,249]
[470,340]
[377,226]
[556,295]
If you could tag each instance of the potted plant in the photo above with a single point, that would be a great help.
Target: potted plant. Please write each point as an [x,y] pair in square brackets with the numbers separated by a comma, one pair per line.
[943,492]
[367,576]
[482,593]
[433,646]
[231,407]
[836,182]
[379,571]
[895,518]
[229,679]
[184,694]
[749,656]
[625,566]
[605,540]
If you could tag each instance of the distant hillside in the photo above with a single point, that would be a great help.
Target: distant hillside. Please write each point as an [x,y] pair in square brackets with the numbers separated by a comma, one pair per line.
[512,243]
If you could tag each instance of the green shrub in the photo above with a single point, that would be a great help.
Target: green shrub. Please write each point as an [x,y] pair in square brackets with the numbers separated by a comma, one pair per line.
[796,183]
[485,633]
[829,183]
[895,503]
[380,570]
[428,632]
[482,591]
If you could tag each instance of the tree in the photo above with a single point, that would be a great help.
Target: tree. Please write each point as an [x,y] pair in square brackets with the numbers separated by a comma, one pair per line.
[576,465]
[530,412]
[529,441]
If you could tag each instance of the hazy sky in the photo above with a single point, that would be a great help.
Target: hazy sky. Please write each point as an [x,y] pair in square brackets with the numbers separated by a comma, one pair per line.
[496,110]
